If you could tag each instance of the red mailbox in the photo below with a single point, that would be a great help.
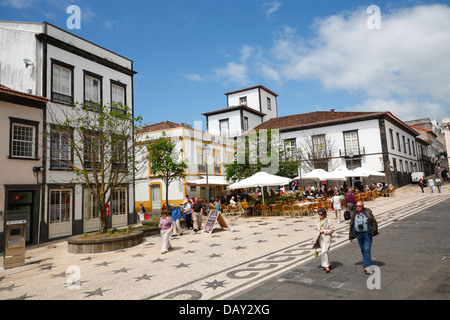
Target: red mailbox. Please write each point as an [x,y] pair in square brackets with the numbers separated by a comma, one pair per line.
[107,210]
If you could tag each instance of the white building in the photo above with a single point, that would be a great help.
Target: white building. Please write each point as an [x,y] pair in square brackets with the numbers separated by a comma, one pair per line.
[151,190]
[246,109]
[374,140]
[43,60]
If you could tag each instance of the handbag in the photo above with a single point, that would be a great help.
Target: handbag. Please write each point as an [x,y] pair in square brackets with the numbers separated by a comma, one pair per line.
[347,215]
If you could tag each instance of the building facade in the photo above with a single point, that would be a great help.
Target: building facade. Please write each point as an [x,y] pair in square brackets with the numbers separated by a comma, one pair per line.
[375,140]
[43,60]
[189,144]
[246,109]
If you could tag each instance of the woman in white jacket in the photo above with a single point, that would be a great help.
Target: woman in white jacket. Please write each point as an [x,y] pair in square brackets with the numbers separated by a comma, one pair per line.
[323,231]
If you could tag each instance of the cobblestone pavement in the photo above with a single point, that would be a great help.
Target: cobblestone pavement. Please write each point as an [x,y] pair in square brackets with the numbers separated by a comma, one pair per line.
[230,264]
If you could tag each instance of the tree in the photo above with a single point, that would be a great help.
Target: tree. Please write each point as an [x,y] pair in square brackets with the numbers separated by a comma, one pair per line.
[95,142]
[164,162]
[261,150]
[317,152]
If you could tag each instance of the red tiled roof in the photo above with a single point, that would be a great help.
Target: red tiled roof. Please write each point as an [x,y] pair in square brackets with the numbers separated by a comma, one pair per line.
[23,94]
[160,126]
[314,118]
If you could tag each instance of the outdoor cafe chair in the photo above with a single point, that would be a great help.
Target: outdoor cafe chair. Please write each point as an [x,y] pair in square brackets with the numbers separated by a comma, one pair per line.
[264,209]
[287,210]
[297,210]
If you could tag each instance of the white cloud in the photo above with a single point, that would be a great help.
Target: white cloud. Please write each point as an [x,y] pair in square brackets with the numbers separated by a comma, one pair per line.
[193,77]
[18,4]
[233,73]
[407,62]
[272,7]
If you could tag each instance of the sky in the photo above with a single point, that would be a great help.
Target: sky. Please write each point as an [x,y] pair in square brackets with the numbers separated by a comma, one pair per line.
[316,55]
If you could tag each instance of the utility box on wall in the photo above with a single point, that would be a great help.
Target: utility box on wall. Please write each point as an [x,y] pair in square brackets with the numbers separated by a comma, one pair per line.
[15,233]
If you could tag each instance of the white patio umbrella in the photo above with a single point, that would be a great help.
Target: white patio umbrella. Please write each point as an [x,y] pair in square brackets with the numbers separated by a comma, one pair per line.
[315,174]
[212,181]
[333,175]
[364,172]
[260,179]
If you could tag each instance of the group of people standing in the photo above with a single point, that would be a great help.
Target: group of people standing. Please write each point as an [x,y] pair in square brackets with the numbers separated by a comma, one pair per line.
[363,227]
[431,183]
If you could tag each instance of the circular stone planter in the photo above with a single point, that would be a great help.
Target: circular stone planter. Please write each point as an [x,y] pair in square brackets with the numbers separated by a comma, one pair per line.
[78,245]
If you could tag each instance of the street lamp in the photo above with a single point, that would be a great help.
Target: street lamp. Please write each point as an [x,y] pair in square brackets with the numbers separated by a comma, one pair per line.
[206,150]
[298,156]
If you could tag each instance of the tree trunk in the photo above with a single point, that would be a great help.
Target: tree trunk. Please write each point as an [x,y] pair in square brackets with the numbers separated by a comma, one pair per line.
[167,197]
[103,220]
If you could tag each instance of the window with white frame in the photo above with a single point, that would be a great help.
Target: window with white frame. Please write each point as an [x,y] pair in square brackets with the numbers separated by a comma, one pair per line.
[23,139]
[243,101]
[60,150]
[62,78]
[269,104]
[118,98]
[119,201]
[351,142]
[60,206]
[90,206]
[92,91]
[224,128]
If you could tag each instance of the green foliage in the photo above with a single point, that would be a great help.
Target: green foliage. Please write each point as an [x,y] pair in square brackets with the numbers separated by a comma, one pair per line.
[251,164]
[165,163]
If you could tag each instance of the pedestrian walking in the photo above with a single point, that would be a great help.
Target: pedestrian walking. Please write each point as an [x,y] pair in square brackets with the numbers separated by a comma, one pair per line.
[197,215]
[188,214]
[438,184]
[350,200]
[323,230]
[337,206]
[166,225]
[363,227]
[421,184]
[142,212]
[430,183]
[176,218]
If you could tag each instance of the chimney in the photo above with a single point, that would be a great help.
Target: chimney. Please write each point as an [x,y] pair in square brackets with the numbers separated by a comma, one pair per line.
[332,110]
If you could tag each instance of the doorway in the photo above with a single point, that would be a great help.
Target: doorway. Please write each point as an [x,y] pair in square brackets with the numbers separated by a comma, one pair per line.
[156,197]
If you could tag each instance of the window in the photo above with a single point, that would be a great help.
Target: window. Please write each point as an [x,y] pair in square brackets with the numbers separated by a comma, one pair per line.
[23,138]
[92,91]
[224,128]
[409,146]
[243,101]
[404,144]
[62,82]
[319,144]
[90,206]
[245,123]
[201,163]
[391,133]
[91,150]
[398,142]
[290,145]
[216,164]
[119,201]
[269,104]
[351,142]
[118,96]
[119,153]
[60,206]
[61,154]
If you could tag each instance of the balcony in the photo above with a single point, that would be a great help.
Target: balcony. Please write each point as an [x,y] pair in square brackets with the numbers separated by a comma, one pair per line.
[354,152]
